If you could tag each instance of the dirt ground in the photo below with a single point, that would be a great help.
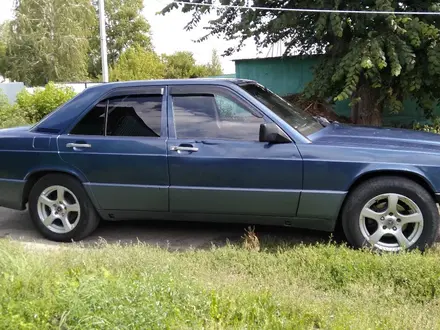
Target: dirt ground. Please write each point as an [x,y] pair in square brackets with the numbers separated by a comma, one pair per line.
[175,235]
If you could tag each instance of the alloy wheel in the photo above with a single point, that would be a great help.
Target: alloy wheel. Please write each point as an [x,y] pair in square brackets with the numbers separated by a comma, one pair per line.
[391,222]
[59,209]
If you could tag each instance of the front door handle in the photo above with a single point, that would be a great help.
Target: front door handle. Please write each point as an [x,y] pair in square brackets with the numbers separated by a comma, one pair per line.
[182,148]
[78,145]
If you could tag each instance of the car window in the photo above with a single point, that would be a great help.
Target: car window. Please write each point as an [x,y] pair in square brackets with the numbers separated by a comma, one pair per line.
[134,115]
[93,122]
[214,116]
[229,109]
[293,115]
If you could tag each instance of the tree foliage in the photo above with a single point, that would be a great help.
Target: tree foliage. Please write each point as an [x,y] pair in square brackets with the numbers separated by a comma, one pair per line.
[215,66]
[4,35]
[183,65]
[9,114]
[125,27]
[137,63]
[48,41]
[374,60]
[34,106]
[179,65]
[58,40]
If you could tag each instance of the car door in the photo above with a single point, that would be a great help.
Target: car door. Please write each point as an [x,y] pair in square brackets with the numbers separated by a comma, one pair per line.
[217,164]
[120,147]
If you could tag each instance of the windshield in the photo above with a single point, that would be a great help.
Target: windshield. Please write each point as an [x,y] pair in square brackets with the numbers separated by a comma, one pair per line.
[291,114]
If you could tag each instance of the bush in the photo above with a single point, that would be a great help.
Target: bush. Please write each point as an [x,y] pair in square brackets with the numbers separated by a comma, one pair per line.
[432,128]
[34,106]
[9,115]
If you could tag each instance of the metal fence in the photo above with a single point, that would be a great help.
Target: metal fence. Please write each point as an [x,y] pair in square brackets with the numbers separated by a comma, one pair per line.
[11,90]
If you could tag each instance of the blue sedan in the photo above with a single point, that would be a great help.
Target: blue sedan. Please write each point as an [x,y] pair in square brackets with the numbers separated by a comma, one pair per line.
[225,150]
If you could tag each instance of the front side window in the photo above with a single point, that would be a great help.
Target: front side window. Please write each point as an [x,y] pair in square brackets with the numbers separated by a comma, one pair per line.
[134,115]
[214,116]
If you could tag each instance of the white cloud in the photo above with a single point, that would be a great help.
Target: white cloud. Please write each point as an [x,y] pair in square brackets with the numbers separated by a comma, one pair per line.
[169,34]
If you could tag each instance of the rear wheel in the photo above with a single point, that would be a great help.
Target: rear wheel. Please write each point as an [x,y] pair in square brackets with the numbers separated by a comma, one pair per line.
[390,214]
[61,209]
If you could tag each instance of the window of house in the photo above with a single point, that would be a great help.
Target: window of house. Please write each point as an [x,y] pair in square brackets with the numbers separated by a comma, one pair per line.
[134,115]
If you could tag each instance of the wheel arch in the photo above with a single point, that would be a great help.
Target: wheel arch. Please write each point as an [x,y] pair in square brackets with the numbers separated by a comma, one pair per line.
[32,178]
[408,174]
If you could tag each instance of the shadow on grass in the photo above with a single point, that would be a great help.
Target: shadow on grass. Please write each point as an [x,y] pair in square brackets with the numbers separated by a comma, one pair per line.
[173,235]
[184,235]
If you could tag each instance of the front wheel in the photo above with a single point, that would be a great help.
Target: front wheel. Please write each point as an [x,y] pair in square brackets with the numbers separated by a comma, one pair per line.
[390,214]
[61,209]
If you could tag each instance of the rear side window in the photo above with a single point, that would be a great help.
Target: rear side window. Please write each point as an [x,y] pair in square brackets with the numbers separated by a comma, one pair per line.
[132,115]
[135,116]
[93,122]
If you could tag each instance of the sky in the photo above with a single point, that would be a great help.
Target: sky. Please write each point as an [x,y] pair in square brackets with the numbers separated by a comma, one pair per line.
[169,34]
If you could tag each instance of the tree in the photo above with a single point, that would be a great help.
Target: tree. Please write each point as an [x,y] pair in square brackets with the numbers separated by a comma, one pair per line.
[179,65]
[125,27]
[374,60]
[4,35]
[183,65]
[136,63]
[48,41]
[215,67]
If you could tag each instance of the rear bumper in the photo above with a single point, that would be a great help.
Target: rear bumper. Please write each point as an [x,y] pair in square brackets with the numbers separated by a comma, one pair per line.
[11,193]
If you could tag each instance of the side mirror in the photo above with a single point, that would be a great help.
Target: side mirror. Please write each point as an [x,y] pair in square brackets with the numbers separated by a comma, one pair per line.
[273,134]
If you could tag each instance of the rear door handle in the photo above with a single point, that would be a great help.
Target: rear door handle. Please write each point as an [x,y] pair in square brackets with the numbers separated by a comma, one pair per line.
[181,148]
[78,145]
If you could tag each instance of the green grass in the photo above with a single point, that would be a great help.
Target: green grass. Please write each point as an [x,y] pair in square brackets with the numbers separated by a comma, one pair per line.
[324,286]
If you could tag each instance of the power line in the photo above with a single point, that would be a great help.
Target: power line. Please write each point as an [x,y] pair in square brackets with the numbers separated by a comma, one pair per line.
[309,10]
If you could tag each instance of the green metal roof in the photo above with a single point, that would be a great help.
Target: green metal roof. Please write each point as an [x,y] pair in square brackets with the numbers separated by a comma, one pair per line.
[228,75]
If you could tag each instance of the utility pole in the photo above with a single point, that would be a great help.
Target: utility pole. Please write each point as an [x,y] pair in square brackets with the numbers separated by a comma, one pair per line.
[103,41]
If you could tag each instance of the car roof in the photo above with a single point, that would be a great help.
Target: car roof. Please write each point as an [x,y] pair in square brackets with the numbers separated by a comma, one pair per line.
[155,82]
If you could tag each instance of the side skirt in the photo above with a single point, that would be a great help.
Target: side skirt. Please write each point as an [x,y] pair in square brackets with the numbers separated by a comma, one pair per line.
[307,223]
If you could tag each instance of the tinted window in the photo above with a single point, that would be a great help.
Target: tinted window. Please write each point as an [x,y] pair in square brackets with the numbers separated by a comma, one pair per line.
[136,115]
[214,116]
[93,123]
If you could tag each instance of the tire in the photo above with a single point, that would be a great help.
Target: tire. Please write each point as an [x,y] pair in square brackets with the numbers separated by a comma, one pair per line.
[415,215]
[70,217]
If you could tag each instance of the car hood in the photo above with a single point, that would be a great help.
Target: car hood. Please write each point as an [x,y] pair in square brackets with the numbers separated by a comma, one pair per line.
[376,137]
